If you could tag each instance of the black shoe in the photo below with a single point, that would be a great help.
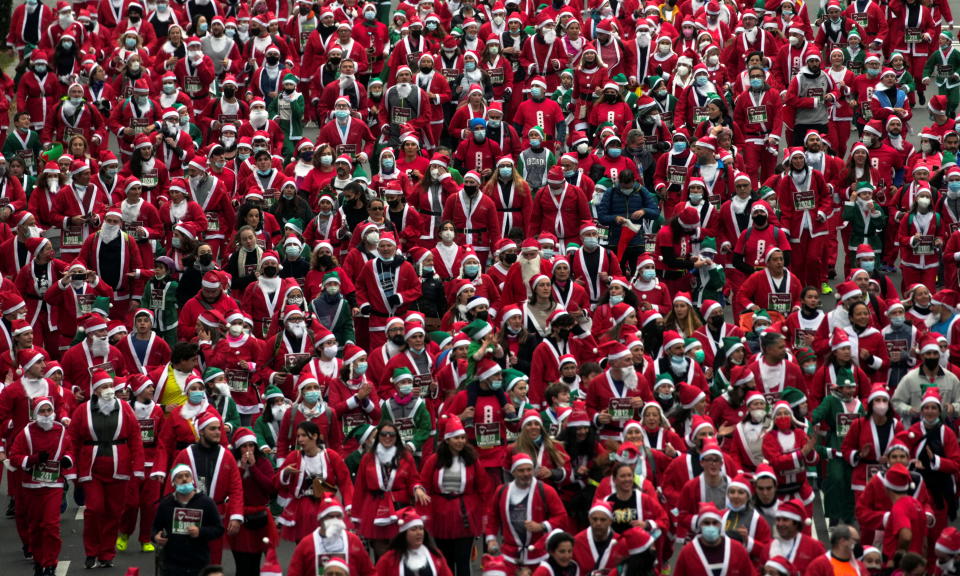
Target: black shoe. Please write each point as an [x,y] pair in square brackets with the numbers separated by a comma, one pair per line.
[106,563]
[27,554]
[10,509]
[90,562]
[50,571]
[922,98]
[37,569]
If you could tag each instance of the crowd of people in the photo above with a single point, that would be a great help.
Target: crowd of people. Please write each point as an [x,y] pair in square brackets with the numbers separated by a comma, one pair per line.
[542,294]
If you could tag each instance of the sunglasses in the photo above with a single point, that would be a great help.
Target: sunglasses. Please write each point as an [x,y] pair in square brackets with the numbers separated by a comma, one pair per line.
[388,434]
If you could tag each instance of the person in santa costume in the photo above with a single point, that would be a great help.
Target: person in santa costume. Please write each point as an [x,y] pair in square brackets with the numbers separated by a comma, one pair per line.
[947,549]
[790,541]
[594,547]
[386,286]
[773,370]
[474,215]
[412,550]
[789,450]
[387,481]
[181,427]
[305,479]
[711,549]
[905,525]
[706,486]
[93,353]
[110,453]
[804,201]
[743,522]
[238,354]
[774,288]
[43,453]
[842,556]
[523,544]
[216,474]
[142,349]
[870,437]
[834,418]
[143,493]
[211,297]
[330,544]
[616,393]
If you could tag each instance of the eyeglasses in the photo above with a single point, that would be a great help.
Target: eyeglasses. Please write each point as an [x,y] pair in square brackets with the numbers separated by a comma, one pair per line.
[388,434]
[376,208]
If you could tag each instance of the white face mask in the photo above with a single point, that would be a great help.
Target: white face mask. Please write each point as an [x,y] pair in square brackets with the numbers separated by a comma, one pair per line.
[45,422]
[278,411]
[330,352]
[447,235]
[108,395]
[258,116]
[236,329]
[758,414]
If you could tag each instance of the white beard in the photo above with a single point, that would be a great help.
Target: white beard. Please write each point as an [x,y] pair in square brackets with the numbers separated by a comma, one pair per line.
[34,386]
[130,212]
[223,389]
[178,211]
[630,379]
[333,528]
[142,410]
[106,407]
[404,90]
[384,454]
[100,347]
[109,233]
[751,34]
[529,269]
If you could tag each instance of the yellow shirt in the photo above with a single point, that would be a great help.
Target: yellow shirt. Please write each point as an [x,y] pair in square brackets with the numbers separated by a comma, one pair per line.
[172,391]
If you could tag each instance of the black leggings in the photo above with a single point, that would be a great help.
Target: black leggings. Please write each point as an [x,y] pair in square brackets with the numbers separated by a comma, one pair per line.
[248,563]
[457,552]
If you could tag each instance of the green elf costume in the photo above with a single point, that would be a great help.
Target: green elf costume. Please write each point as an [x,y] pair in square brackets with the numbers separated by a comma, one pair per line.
[160,296]
[267,428]
[798,403]
[287,109]
[854,56]
[905,80]
[709,279]
[512,377]
[333,310]
[866,220]
[943,69]
[219,397]
[23,144]
[532,158]
[190,128]
[721,380]
[563,95]
[361,434]
[835,415]
[408,412]
[664,100]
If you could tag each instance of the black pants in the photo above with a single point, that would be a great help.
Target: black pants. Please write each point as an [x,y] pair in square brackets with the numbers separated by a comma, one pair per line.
[800,132]
[457,553]
[248,563]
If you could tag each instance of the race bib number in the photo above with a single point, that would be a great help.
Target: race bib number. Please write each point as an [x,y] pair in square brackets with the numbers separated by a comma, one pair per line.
[844,421]
[139,126]
[413,60]
[85,303]
[944,71]
[860,18]
[148,432]
[72,237]
[294,362]
[620,409]
[406,429]
[757,114]
[350,149]
[156,299]
[897,349]
[804,200]
[913,35]
[270,197]
[496,76]
[421,383]
[105,366]
[488,435]
[48,472]
[676,175]
[700,114]
[798,341]
[400,114]
[924,246]
[192,84]
[815,93]
[150,179]
[131,227]
[779,303]
[865,111]
[450,73]
[238,380]
[213,222]
[649,243]
[184,519]
[351,421]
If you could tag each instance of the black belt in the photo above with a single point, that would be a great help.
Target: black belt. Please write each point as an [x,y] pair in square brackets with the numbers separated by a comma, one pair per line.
[430,212]
[510,210]
[377,314]
[105,442]
[471,230]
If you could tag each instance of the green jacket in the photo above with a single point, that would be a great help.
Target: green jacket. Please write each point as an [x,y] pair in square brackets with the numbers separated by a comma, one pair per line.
[28,149]
[422,425]
[342,325]
[228,411]
[831,415]
[165,308]
[943,70]
[288,113]
[863,231]
[266,436]
[708,285]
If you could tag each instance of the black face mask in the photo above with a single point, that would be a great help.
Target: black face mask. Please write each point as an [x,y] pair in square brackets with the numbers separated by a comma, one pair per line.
[273,60]
[509,258]
[759,221]
[482,315]
[563,333]
[288,90]
[334,62]
[610,98]
[397,340]
[471,190]
[716,321]
[931,363]
[230,92]
[326,261]
[205,259]
[270,271]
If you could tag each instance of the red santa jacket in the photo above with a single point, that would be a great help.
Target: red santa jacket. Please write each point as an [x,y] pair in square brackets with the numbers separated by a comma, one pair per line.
[225,488]
[69,304]
[310,554]
[157,353]
[336,474]
[127,286]
[693,562]
[559,214]
[126,446]
[543,505]
[55,443]
[187,321]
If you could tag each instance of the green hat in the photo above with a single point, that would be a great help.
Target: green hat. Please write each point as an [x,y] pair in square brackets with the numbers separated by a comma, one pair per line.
[793,397]
[295,224]
[805,355]
[331,276]
[511,376]
[664,377]
[620,79]
[457,31]
[290,77]
[102,305]
[865,186]
[210,373]
[947,34]
[603,184]
[652,81]
[845,377]
[731,343]
[708,244]
[690,343]
[713,97]
[272,392]
[949,159]
[765,191]
[440,338]
[477,329]
[538,130]
[53,153]
[529,30]
[361,432]
[567,71]
[761,313]
[853,33]
[572,247]
[760,5]
[402,374]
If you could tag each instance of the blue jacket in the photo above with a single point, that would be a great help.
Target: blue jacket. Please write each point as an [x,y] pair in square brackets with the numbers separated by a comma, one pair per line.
[615,203]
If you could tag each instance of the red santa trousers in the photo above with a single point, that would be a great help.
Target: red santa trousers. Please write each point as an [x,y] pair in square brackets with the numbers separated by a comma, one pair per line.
[142,498]
[759,163]
[43,508]
[105,500]
[21,511]
[806,261]
[910,276]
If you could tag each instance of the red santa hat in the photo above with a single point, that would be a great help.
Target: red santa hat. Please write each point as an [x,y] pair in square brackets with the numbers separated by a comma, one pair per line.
[614,350]
[793,509]
[329,505]
[94,322]
[40,402]
[29,357]
[620,312]
[928,343]
[878,390]
[938,104]
[898,479]
[520,459]
[494,566]
[602,507]
[487,369]
[633,541]
[689,395]
[710,447]
[742,482]
[781,565]
[764,470]
[578,416]
[839,338]
[671,338]
[334,562]
[930,396]
[848,290]
[452,426]
[708,511]
[243,435]
[741,376]
[949,541]
[210,280]
[689,217]
[100,378]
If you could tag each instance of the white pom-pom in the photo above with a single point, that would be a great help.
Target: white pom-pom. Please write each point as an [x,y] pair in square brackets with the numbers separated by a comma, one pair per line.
[400,522]
[765,461]
[265,540]
[807,522]
[912,435]
[913,486]
[531,548]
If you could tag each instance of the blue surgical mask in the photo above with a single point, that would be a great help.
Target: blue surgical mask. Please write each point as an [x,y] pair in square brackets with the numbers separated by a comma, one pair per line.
[898,321]
[130,43]
[507,171]
[547,253]
[868,265]
[78,101]
[616,299]
[677,360]
[341,114]
[311,396]
[711,532]
[67,44]
[648,274]
[679,147]
[470,66]
[569,173]
[872,73]
[231,32]
[40,68]
[493,123]
[810,368]
[756,82]
[496,384]
[695,198]
[592,242]
[196,396]
[471,270]
[405,389]
[242,156]
[954,185]
[700,81]
[370,15]
[185,488]
[536,92]
[534,142]
[427,269]
[264,173]
[202,27]
[360,369]
[614,152]
[387,163]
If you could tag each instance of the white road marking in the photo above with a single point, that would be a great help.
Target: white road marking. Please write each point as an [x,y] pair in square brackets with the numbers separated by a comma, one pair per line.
[79,515]
[62,568]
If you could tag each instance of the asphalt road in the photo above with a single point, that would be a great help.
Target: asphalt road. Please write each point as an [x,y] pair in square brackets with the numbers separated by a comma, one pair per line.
[72,555]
